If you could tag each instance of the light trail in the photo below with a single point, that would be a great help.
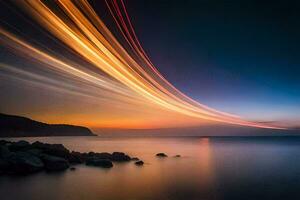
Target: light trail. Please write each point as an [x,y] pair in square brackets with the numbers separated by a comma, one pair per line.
[135,76]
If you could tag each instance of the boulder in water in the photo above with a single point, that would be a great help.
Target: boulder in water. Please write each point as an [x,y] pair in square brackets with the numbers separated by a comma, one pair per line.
[99,162]
[5,152]
[57,150]
[19,146]
[4,142]
[76,157]
[103,155]
[139,163]
[53,163]
[24,163]
[35,152]
[120,157]
[161,155]
[72,168]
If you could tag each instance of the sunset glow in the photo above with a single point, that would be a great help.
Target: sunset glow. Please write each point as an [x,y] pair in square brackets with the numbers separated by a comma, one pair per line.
[118,73]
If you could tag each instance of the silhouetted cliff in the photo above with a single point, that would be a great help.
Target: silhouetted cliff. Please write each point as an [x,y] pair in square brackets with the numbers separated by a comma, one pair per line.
[16,126]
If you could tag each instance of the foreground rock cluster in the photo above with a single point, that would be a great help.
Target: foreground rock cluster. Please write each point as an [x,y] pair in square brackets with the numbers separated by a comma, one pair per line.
[23,158]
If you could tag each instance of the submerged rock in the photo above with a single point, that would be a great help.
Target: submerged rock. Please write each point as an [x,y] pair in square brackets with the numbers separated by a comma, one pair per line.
[99,162]
[139,163]
[53,163]
[177,156]
[162,155]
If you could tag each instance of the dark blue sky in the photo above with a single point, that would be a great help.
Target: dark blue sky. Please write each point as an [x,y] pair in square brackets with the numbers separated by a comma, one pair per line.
[241,57]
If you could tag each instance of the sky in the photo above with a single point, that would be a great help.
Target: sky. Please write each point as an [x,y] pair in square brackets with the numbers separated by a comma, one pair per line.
[238,57]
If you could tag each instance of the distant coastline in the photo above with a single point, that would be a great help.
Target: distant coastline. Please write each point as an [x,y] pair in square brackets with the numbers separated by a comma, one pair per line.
[17,126]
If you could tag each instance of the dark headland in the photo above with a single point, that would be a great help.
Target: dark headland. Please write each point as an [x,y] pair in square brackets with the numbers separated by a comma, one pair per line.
[17,126]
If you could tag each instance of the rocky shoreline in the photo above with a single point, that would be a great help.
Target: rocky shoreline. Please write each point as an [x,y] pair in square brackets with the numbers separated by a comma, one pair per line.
[23,157]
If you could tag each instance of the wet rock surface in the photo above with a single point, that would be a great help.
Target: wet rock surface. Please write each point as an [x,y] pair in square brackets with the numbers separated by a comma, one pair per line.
[99,162]
[120,157]
[23,163]
[53,163]
[19,146]
[139,163]
[72,168]
[24,158]
[161,155]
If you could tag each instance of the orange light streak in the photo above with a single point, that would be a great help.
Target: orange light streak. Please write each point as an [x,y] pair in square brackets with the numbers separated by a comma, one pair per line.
[136,77]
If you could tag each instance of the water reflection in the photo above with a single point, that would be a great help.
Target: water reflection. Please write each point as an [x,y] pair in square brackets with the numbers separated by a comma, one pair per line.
[209,169]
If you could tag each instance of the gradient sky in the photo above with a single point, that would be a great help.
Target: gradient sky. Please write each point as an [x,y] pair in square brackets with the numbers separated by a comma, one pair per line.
[240,57]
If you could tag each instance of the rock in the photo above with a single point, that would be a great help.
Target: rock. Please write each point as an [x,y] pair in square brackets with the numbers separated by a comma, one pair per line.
[135,159]
[4,165]
[72,168]
[23,158]
[104,155]
[24,163]
[177,156]
[4,142]
[84,155]
[76,157]
[53,163]
[120,157]
[5,152]
[35,152]
[20,145]
[99,162]
[57,150]
[39,145]
[139,163]
[91,153]
[162,155]
[115,156]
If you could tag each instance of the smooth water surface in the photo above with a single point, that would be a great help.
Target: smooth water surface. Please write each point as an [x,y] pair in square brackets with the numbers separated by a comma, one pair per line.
[210,168]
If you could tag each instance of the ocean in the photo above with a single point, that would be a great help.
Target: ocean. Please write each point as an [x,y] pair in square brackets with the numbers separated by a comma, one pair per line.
[210,168]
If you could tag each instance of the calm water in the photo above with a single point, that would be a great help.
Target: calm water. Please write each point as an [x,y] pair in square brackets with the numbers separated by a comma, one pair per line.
[215,168]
